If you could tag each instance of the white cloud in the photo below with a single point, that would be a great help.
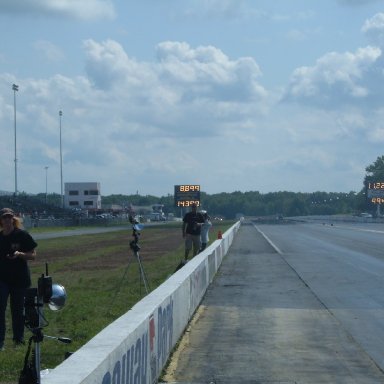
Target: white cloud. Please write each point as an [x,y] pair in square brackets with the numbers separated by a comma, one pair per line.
[79,9]
[199,111]
[194,114]
[338,78]
[209,73]
[108,65]
[374,29]
[126,111]
[201,82]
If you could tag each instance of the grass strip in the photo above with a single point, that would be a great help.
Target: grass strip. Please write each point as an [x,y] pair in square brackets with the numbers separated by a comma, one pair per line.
[102,280]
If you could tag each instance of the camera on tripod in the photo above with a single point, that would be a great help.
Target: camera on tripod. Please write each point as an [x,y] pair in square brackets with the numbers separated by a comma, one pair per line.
[136,228]
[135,247]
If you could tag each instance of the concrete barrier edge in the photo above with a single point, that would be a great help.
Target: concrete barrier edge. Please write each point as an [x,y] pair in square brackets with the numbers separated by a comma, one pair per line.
[136,347]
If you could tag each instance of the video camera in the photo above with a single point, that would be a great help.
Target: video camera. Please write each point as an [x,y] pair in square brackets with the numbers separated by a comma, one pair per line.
[136,228]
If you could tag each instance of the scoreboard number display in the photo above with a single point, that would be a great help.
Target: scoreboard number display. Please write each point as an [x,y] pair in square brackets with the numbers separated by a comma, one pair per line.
[375,192]
[186,195]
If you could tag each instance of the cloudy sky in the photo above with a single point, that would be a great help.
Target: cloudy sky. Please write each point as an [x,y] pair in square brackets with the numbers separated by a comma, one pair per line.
[234,95]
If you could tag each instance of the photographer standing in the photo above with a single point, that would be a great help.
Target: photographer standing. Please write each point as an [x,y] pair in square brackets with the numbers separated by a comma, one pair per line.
[16,248]
[192,222]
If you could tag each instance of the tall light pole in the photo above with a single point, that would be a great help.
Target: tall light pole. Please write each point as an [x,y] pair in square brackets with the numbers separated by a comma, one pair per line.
[15,88]
[61,165]
[46,184]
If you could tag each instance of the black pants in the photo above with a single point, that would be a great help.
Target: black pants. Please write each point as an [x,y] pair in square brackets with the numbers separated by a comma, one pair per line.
[16,295]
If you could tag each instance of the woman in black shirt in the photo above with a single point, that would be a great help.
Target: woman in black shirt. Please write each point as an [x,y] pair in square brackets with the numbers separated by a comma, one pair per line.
[16,248]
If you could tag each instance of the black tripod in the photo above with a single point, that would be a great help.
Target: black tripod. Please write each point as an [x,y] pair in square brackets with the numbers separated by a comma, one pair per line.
[135,247]
[35,321]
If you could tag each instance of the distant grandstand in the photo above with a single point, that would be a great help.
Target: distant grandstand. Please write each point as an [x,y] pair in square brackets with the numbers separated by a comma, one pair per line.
[31,205]
[6,193]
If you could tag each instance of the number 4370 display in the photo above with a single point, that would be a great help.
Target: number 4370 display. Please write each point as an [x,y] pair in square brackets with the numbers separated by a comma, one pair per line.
[186,195]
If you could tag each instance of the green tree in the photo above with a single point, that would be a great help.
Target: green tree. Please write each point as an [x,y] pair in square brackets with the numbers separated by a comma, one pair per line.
[375,171]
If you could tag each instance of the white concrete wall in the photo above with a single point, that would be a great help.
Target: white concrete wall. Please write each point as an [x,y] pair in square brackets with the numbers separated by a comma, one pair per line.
[135,347]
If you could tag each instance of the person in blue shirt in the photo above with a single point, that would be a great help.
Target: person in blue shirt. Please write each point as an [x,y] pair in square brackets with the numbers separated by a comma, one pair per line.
[205,227]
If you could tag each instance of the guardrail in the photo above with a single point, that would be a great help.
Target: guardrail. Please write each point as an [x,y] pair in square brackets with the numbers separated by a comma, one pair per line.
[136,347]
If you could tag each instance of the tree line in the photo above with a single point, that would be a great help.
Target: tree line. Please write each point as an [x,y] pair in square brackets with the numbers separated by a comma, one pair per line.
[254,203]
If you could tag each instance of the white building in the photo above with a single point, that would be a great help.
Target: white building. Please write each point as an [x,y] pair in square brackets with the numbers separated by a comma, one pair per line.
[82,195]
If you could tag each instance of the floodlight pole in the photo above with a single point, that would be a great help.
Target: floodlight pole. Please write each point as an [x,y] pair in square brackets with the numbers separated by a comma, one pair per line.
[61,165]
[15,88]
[46,183]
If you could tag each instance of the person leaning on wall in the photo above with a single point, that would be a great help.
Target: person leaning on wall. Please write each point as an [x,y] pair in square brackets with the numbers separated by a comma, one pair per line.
[191,229]
[17,247]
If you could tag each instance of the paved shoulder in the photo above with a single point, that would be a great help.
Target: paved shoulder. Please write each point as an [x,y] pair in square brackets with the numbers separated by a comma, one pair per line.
[259,323]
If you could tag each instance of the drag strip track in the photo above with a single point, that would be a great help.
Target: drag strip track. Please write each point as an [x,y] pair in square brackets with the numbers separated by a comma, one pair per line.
[344,267]
[291,303]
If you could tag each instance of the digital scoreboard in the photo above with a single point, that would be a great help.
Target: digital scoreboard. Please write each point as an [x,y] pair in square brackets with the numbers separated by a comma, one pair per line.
[375,192]
[186,195]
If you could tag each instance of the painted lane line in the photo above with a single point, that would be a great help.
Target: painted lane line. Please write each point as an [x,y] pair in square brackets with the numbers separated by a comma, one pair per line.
[271,243]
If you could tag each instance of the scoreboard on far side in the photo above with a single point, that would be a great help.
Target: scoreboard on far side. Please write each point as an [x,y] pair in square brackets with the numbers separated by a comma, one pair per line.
[375,192]
[186,195]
